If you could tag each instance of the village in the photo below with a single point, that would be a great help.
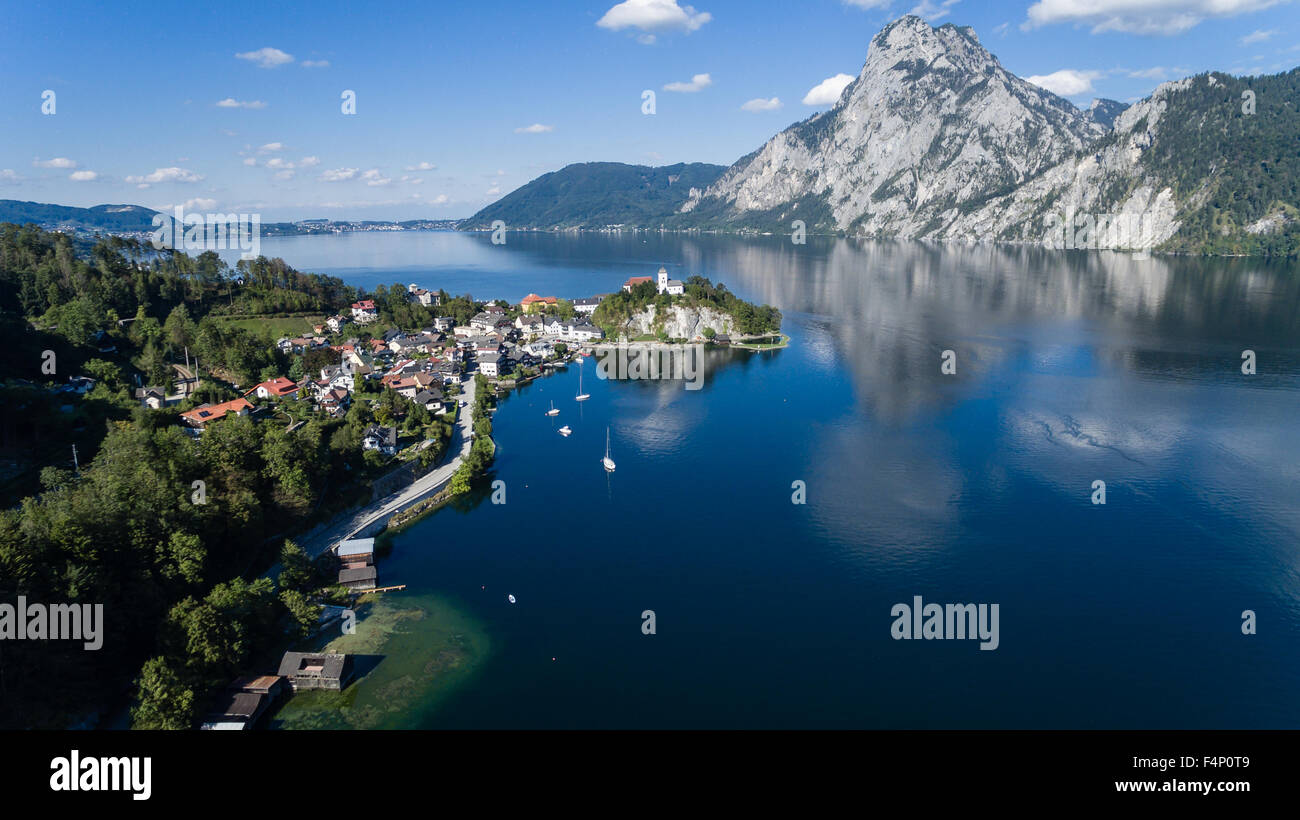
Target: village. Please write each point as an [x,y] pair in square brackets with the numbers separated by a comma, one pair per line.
[504,344]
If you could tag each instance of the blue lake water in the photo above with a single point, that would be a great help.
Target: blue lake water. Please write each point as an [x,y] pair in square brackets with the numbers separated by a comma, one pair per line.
[969,488]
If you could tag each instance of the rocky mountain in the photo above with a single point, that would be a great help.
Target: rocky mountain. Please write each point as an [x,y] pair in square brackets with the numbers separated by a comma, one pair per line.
[1103,112]
[935,139]
[932,125]
[597,195]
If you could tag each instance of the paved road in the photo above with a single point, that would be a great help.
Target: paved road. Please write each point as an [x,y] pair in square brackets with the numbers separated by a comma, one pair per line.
[461,439]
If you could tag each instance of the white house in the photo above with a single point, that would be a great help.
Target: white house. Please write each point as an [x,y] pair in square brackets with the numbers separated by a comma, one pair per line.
[364,311]
[587,306]
[489,364]
[670,286]
[381,439]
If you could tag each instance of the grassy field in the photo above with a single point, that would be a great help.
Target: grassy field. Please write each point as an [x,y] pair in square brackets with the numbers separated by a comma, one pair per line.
[277,326]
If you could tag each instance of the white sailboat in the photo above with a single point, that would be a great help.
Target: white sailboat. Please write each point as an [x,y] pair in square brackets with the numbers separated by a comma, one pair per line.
[552,411]
[607,461]
[581,395]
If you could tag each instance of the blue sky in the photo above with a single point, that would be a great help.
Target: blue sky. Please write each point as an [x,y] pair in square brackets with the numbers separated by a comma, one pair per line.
[447,94]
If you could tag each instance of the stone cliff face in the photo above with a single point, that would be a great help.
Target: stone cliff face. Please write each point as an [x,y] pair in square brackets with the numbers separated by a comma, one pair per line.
[679,322]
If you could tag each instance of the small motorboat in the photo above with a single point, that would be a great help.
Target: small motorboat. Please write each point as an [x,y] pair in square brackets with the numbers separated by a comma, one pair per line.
[510,598]
[564,431]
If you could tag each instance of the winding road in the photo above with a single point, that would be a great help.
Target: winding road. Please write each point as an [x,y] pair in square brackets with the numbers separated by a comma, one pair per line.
[347,526]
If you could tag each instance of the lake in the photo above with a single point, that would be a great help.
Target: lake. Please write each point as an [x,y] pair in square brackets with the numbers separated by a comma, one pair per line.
[971,487]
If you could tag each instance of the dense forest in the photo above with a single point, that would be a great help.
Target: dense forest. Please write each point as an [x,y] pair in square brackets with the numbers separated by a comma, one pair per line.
[171,560]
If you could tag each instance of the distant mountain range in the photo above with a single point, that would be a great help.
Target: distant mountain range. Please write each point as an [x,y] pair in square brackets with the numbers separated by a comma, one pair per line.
[934,139]
[108,218]
[597,195]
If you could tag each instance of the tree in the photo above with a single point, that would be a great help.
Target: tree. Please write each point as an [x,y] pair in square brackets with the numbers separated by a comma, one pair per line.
[302,612]
[163,701]
[296,571]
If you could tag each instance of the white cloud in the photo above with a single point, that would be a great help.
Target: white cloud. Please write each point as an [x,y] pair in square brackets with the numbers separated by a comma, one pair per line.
[1001,29]
[284,174]
[867,4]
[196,204]
[495,190]
[250,161]
[1257,36]
[276,163]
[535,128]
[231,102]
[9,175]
[1067,82]
[933,11]
[410,180]
[698,82]
[315,63]
[166,175]
[83,176]
[266,57]
[1158,72]
[271,147]
[440,199]
[760,104]
[309,162]
[653,15]
[373,178]
[828,91]
[1138,16]
[57,162]
[421,166]
[339,175]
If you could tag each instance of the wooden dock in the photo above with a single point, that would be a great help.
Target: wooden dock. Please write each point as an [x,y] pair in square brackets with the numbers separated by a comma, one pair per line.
[381,589]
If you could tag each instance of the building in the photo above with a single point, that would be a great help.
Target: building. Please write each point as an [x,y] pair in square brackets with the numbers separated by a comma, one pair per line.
[280,388]
[151,397]
[634,281]
[236,711]
[364,311]
[532,303]
[359,578]
[381,439]
[431,399]
[527,324]
[204,414]
[357,551]
[588,306]
[310,670]
[491,365]
[336,323]
[670,286]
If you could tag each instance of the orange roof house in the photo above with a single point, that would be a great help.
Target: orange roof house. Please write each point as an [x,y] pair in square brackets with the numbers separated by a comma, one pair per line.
[533,302]
[280,388]
[205,413]
[636,280]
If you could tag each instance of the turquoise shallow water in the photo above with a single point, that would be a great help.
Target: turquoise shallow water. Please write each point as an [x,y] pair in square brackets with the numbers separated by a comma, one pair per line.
[975,487]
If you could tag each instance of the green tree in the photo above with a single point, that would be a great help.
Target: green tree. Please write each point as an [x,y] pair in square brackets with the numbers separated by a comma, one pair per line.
[163,701]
